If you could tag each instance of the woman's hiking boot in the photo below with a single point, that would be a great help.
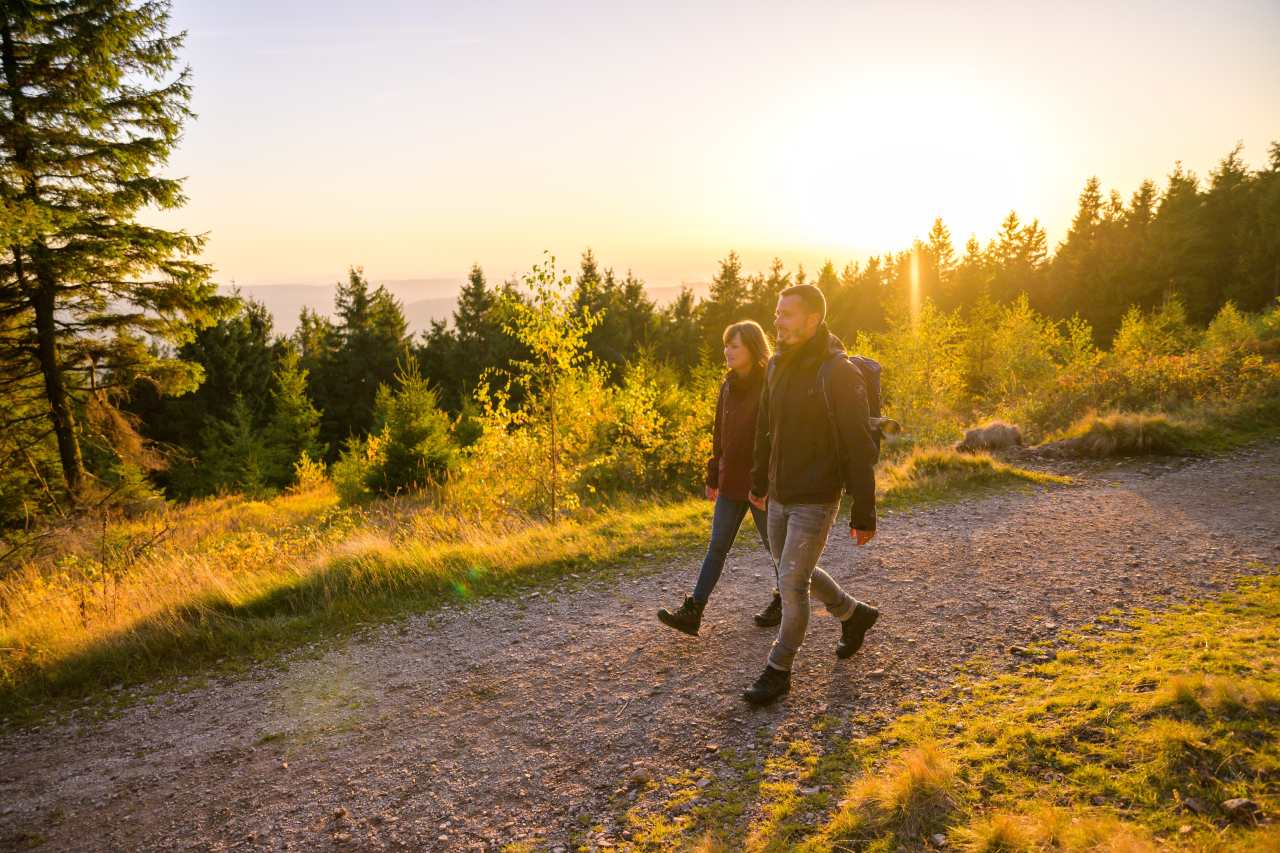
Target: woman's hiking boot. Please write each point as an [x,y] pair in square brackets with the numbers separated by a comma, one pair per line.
[771,684]
[854,629]
[686,619]
[771,615]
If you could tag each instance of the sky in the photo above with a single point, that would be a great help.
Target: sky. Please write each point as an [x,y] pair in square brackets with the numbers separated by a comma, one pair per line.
[417,138]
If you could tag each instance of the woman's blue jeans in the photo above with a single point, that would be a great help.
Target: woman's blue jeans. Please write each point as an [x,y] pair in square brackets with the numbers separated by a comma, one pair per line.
[724,529]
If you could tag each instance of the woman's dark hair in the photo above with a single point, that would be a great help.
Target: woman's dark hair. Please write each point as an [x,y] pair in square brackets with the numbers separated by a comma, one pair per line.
[753,338]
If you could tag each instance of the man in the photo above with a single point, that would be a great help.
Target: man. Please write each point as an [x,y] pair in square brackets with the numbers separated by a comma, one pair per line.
[813,442]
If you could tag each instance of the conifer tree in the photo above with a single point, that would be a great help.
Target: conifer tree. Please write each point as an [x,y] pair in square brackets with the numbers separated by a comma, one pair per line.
[294,426]
[90,108]
[726,301]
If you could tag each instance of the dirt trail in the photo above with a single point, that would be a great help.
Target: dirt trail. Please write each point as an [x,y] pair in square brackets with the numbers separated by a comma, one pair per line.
[474,726]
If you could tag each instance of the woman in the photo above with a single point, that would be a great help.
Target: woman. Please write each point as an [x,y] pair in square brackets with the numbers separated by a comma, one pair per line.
[746,352]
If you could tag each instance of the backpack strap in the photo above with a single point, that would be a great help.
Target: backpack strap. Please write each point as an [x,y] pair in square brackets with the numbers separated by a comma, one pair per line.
[823,370]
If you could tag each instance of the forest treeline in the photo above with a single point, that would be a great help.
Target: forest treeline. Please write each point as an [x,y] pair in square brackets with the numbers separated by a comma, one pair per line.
[999,329]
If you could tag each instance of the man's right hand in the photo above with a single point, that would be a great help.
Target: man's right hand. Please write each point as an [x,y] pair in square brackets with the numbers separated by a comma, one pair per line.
[712,493]
[759,503]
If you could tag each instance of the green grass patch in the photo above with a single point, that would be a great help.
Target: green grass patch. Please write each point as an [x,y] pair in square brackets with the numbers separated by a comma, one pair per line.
[1137,741]
[936,474]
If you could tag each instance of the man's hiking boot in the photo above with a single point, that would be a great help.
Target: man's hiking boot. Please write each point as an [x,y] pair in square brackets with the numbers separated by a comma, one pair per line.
[853,629]
[688,618]
[771,684]
[772,614]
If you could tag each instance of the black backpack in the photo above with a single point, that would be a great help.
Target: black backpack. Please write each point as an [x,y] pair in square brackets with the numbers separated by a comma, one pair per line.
[869,370]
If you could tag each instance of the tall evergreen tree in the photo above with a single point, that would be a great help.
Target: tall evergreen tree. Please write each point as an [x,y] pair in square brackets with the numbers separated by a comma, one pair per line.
[368,340]
[1263,246]
[640,315]
[726,301]
[90,109]
[455,358]
[680,340]
[294,426]
[236,358]
[828,279]
[473,317]
[1228,213]
[1183,253]
[764,290]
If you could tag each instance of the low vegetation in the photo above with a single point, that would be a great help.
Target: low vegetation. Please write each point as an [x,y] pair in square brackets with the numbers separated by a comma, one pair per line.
[1162,733]
[1190,431]
[228,581]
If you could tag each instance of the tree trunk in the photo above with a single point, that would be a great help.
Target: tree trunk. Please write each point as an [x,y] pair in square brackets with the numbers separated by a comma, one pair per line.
[555,461]
[64,421]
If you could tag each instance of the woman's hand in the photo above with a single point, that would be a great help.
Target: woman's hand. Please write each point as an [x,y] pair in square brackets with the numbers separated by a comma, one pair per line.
[861,537]
[712,493]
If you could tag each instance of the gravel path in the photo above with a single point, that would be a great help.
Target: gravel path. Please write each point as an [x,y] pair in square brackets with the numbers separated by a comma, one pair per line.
[470,727]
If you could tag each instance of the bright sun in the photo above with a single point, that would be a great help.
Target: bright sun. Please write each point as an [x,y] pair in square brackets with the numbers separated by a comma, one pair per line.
[877,161]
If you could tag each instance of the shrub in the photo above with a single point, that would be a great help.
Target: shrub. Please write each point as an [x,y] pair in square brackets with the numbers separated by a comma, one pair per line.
[1123,434]
[416,450]
[354,469]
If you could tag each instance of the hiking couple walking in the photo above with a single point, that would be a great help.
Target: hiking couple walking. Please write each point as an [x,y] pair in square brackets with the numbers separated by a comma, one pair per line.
[793,431]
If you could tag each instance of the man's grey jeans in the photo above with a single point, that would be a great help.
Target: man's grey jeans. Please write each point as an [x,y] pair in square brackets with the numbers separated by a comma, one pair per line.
[797,535]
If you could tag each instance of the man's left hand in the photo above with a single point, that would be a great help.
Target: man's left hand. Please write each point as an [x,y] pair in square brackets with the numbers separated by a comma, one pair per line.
[861,537]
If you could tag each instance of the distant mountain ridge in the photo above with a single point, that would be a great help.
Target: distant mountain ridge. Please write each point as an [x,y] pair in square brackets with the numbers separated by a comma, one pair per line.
[424,299]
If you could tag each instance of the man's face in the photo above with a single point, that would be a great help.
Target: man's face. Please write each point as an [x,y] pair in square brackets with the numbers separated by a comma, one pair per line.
[794,322]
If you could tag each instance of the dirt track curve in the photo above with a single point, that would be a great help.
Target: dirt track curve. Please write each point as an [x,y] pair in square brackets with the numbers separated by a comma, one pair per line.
[508,720]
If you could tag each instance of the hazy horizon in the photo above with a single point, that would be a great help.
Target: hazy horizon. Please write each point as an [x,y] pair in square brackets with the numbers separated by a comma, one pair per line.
[417,139]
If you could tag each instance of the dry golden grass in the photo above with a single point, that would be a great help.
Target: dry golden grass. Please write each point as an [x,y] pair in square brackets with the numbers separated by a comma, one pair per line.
[230,580]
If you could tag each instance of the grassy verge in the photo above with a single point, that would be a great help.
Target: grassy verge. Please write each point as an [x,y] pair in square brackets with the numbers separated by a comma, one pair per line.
[1201,431]
[228,582]
[1163,735]
[936,474]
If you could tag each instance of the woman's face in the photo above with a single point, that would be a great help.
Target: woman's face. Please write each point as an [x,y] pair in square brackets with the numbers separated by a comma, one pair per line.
[736,354]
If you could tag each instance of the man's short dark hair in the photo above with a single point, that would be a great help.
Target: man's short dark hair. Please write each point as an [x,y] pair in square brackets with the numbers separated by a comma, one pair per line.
[811,296]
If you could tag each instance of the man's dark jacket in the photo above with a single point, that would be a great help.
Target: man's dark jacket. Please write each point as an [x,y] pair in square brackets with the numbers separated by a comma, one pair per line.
[798,456]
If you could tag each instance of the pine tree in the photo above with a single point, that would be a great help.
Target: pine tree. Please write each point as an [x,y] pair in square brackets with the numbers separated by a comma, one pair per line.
[940,249]
[938,258]
[294,426]
[726,301]
[680,336]
[1077,281]
[235,457]
[1262,256]
[238,358]
[368,340]
[640,318]
[90,109]
[1228,212]
[416,449]
[828,280]
[764,293]
[472,319]
[1181,245]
